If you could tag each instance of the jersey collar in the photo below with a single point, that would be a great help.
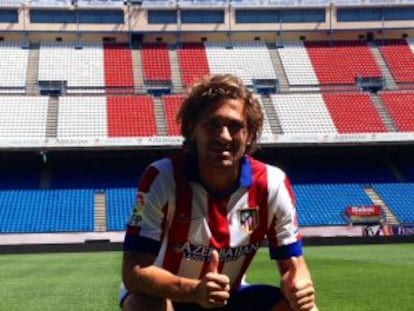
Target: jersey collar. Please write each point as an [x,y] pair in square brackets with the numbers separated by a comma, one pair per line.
[245,176]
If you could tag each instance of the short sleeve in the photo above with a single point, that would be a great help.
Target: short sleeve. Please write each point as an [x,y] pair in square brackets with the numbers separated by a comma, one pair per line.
[146,224]
[283,234]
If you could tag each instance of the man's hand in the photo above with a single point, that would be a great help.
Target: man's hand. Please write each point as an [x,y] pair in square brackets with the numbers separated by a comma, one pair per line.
[298,289]
[214,288]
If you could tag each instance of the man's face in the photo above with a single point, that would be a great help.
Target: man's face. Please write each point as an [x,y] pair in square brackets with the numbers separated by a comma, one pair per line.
[221,135]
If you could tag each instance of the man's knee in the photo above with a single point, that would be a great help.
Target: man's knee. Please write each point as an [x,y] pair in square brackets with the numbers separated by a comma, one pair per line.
[134,302]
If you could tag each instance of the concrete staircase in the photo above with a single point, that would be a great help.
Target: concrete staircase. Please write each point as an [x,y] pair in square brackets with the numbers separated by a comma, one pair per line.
[270,112]
[376,199]
[175,69]
[278,67]
[383,113]
[139,86]
[52,117]
[385,71]
[160,117]
[32,69]
[100,211]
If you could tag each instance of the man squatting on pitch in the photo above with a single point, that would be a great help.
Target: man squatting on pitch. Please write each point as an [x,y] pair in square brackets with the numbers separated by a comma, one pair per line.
[201,215]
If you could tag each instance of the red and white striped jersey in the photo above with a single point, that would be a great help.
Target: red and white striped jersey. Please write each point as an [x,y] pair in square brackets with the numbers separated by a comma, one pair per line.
[180,222]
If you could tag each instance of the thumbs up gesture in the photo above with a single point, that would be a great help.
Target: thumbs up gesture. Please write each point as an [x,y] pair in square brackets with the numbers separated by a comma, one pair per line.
[214,262]
[213,289]
[297,286]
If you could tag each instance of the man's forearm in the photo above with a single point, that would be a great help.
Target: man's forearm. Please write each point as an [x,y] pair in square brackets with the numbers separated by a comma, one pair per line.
[158,282]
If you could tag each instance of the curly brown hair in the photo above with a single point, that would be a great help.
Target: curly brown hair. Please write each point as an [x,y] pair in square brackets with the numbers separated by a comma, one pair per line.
[210,91]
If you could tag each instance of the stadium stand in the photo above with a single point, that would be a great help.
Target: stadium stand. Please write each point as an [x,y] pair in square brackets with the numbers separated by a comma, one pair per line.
[13,67]
[131,116]
[398,198]
[193,62]
[106,117]
[326,183]
[80,65]
[82,117]
[225,58]
[399,56]
[171,106]
[155,62]
[323,204]
[46,210]
[400,106]
[353,113]
[341,62]
[303,113]
[102,112]
[23,117]
[118,68]
[297,64]
[119,204]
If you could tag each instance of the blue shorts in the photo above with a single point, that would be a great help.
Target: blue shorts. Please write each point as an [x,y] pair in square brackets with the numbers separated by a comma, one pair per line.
[247,297]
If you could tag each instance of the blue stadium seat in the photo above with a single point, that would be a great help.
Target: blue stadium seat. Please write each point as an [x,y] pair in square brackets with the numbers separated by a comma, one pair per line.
[36,211]
[323,204]
[119,204]
[399,198]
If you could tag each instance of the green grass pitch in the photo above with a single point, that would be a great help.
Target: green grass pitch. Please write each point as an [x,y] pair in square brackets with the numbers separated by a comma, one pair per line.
[347,278]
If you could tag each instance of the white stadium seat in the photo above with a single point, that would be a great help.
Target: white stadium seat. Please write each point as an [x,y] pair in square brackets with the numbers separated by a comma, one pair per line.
[248,60]
[23,117]
[13,65]
[297,64]
[303,113]
[82,117]
[81,66]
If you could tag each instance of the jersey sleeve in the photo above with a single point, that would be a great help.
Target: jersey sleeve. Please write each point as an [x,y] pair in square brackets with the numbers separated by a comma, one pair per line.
[283,234]
[146,224]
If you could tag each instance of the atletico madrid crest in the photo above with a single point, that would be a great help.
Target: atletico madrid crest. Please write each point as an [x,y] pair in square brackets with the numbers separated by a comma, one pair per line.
[249,219]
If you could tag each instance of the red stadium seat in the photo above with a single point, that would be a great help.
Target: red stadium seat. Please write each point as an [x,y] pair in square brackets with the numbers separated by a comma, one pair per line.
[171,105]
[400,107]
[130,116]
[342,61]
[193,62]
[399,58]
[118,68]
[353,113]
[156,62]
